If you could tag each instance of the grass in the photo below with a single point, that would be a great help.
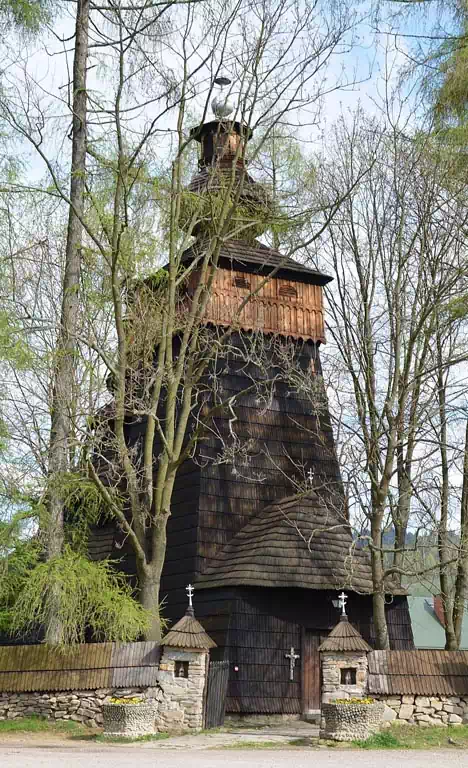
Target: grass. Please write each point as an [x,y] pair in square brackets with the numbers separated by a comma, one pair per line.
[383,740]
[252,745]
[395,737]
[417,737]
[36,724]
[303,741]
[69,728]
[100,738]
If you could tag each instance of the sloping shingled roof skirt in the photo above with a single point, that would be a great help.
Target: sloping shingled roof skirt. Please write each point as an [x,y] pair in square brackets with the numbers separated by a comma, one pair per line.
[424,673]
[253,256]
[344,637]
[295,542]
[188,633]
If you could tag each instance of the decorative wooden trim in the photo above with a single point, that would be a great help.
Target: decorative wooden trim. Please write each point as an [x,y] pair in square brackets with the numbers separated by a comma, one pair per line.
[280,306]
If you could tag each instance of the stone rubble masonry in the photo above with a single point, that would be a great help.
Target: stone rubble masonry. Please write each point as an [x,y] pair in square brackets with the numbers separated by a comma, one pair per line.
[181,705]
[425,711]
[332,664]
[128,720]
[404,709]
[347,722]
[81,706]
[178,702]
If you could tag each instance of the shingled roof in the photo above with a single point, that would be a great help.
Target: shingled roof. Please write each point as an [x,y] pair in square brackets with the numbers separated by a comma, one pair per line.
[253,256]
[188,633]
[424,673]
[344,637]
[296,542]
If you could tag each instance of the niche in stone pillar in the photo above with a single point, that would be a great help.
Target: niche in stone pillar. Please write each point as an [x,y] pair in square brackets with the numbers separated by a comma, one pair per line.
[348,676]
[181,669]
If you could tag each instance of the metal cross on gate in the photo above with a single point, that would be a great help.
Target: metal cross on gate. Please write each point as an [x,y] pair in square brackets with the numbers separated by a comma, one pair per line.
[292,656]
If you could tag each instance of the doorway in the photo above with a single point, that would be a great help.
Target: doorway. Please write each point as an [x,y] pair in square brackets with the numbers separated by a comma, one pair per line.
[311,675]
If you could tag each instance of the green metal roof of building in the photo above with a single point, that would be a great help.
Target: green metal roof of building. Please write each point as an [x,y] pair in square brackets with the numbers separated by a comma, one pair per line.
[428,632]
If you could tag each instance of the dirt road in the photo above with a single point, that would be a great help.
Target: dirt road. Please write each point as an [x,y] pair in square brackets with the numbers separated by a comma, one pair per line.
[145,756]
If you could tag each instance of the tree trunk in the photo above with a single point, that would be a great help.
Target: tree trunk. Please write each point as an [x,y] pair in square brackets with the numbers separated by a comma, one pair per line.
[461,584]
[400,524]
[150,579]
[443,533]
[64,376]
[378,597]
[149,598]
[380,621]
[402,512]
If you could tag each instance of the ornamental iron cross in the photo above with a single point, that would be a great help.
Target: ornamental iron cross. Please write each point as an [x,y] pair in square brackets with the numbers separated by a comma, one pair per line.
[292,656]
[190,590]
[342,600]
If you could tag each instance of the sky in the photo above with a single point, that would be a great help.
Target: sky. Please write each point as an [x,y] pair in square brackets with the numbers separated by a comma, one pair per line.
[375,59]
[377,55]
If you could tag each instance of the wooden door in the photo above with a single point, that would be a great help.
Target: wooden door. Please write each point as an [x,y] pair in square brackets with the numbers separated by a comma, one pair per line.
[310,671]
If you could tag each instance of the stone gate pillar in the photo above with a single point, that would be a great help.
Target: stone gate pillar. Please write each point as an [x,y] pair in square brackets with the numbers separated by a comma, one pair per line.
[344,663]
[182,675]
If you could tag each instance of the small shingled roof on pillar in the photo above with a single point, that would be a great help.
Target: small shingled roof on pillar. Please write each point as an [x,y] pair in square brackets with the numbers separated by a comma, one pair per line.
[188,633]
[344,637]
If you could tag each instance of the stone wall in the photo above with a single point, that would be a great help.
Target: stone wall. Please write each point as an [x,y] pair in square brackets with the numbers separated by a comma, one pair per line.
[332,664]
[426,710]
[178,701]
[81,706]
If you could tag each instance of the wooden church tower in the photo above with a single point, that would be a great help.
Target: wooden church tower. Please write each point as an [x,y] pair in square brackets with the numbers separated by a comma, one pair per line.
[266,561]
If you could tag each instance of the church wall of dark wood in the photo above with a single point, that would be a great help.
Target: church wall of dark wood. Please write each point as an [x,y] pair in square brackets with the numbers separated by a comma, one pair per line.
[265,625]
[400,632]
[259,670]
[288,440]
[259,626]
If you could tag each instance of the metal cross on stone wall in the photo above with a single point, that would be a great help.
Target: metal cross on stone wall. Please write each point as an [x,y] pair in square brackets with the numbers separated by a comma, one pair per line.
[292,656]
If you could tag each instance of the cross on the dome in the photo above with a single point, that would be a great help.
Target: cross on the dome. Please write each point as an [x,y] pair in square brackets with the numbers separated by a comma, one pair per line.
[310,476]
[292,656]
[190,590]
[342,600]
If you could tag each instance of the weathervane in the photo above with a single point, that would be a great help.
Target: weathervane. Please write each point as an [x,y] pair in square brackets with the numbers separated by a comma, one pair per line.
[221,106]
[190,590]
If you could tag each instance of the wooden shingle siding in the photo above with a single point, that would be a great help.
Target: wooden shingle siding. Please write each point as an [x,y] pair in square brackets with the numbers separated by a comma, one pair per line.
[287,435]
[86,667]
[424,673]
[254,257]
[400,631]
[344,637]
[258,642]
[189,633]
[294,543]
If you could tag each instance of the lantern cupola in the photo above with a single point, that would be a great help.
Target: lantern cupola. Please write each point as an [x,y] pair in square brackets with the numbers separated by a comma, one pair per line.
[222,174]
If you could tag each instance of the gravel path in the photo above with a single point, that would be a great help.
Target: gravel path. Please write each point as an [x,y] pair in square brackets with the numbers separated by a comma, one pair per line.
[90,756]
